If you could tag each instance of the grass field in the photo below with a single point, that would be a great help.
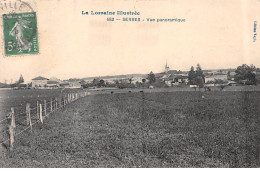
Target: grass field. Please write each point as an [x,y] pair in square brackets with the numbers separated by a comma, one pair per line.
[18,99]
[156,129]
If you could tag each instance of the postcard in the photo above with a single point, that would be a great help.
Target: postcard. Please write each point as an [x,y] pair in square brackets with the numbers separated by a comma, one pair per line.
[129,84]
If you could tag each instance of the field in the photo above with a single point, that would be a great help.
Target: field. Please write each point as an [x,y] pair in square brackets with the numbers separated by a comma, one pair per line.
[18,99]
[150,129]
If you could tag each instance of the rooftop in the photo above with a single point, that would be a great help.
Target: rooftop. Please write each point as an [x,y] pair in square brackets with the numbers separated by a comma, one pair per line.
[40,78]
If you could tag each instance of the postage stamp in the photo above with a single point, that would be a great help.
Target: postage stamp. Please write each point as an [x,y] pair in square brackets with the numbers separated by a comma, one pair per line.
[20,33]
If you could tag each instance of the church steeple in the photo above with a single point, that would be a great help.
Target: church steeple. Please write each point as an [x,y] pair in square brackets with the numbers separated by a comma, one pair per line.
[167,68]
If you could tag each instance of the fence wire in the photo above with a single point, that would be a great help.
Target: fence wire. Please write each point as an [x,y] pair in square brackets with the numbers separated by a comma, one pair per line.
[56,103]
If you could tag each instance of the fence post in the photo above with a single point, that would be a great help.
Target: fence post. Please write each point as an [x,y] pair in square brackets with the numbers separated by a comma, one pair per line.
[45,108]
[12,118]
[60,102]
[142,104]
[41,119]
[28,114]
[37,109]
[64,101]
[11,133]
[11,129]
[51,104]
[56,103]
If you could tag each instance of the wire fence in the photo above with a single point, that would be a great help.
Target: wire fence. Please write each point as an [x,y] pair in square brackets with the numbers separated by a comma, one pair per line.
[16,124]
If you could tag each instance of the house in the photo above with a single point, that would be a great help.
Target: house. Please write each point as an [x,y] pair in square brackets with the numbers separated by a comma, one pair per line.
[212,78]
[172,77]
[180,78]
[52,84]
[231,76]
[168,82]
[39,82]
[137,79]
[166,77]
[74,84]
[124,81]
[109,80]
[64,84]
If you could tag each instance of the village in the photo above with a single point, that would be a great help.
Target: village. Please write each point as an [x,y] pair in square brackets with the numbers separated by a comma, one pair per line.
[166,78]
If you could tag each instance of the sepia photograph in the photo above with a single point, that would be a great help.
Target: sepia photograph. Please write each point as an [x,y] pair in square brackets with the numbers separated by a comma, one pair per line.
[129,84]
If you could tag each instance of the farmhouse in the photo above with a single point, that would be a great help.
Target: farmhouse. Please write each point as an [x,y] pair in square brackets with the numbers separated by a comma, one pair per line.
[65,84]
[74,84]
[39,82]
[52,84]
[110,80]
[231,76]
[212,78]
[168,82]
[180,78]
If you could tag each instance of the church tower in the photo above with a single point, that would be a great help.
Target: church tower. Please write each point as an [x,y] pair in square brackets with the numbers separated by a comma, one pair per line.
[167,68]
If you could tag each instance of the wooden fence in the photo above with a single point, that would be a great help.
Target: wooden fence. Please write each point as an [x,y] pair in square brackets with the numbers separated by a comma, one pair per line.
[35,115]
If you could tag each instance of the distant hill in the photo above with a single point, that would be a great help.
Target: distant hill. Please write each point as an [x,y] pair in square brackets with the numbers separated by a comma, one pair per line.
[223,70]
[116,76]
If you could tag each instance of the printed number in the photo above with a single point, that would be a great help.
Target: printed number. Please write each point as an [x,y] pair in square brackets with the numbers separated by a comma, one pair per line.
[110,19]
[10,46]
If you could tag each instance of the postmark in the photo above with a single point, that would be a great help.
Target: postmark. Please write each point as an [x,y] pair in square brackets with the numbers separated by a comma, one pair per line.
[15,6]
[20,33]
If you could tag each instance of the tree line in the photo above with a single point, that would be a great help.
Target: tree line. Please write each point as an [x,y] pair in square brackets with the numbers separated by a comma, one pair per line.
[244,74]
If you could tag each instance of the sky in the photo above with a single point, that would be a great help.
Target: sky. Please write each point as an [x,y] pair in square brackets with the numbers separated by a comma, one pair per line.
[217,34]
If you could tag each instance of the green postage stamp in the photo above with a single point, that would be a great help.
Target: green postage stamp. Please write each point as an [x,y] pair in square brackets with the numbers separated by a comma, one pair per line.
[20,33]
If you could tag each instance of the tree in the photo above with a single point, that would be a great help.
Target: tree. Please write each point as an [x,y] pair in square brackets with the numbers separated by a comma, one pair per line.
[130,80]
[116,82]
[222,87]
[196,77]
[246,73]
[21,80]
[151,77]
[101,83]
[199,71]
[191,76]
[83,84]
[200,78]
[220,81]
[199,81]
[138,84]
[95,82]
